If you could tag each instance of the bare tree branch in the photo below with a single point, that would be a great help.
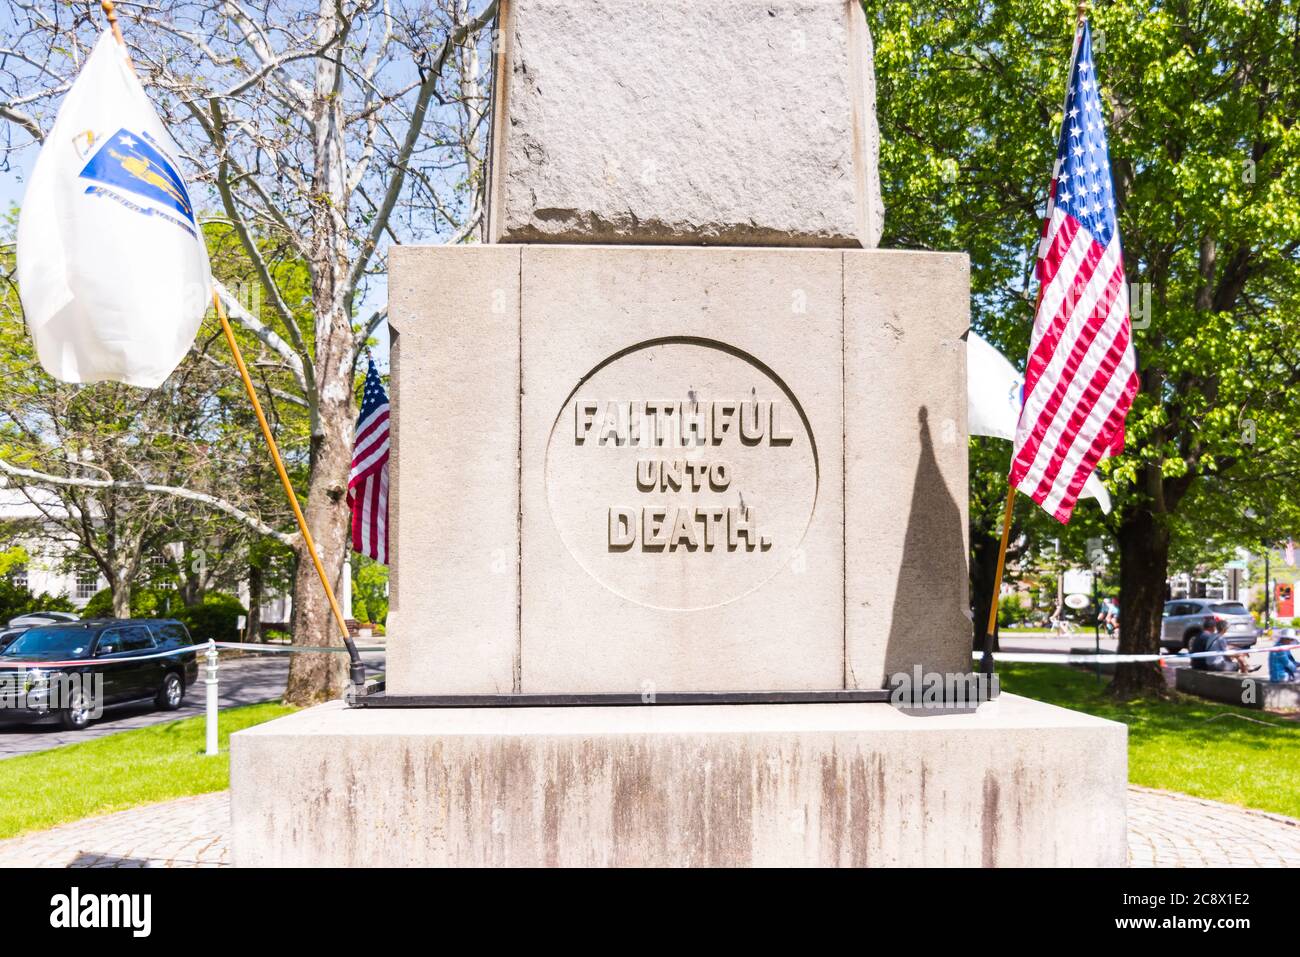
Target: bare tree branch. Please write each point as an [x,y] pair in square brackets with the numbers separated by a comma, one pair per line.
[256,524]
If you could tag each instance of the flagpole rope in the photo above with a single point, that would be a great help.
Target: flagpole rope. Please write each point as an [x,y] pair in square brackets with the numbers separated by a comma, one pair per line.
[357,668]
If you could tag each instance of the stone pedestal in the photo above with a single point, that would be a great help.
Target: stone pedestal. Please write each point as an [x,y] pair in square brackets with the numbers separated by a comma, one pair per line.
[626,469]
[1018,783]
[693,435]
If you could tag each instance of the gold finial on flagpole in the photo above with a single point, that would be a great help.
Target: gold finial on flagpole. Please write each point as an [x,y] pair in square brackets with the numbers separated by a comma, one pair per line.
[110,11]
[1081,10]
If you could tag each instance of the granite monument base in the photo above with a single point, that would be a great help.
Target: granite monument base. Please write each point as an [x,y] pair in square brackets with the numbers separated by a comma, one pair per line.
[1013,783]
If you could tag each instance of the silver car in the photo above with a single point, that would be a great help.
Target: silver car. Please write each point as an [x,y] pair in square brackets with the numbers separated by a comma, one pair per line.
[1184,617]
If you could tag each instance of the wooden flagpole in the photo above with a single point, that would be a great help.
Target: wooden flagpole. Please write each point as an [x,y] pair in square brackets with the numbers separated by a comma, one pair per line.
[358,672]
[284,481]
[986,658]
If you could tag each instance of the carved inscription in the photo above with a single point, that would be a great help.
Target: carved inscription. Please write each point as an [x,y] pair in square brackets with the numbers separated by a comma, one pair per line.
[681,474]
[685,447]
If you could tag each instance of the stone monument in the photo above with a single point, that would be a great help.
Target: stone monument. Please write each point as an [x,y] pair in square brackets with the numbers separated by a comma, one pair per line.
[679,485]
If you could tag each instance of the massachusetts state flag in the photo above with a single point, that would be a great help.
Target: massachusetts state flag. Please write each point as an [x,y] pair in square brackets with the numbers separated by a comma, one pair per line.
[368,483]
[1081,375]
[112,270]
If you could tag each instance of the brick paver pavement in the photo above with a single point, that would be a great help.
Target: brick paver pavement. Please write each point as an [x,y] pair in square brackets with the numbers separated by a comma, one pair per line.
[189,832]
[1164,830]
[1173,830]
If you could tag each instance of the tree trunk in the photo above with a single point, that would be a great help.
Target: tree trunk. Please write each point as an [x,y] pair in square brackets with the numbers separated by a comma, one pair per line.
[323,677]
[255,592]
[1143,568]
[121,588]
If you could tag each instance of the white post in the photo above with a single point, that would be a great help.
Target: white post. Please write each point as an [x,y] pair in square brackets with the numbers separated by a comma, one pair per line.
[211,682]
[345,589]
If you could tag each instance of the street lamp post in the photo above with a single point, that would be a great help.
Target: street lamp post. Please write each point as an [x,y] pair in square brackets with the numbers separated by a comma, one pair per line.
[1268,591]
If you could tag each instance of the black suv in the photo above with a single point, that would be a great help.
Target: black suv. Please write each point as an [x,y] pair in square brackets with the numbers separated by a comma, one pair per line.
[78,667]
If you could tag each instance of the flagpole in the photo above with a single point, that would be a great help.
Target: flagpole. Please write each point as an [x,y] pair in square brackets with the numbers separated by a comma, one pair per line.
[111,13]
[986,657]
[357,671]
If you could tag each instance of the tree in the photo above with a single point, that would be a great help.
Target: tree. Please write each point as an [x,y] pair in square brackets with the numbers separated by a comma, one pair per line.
[1203,99]
[370,590]
[86,457]
[338,129]
[12,558]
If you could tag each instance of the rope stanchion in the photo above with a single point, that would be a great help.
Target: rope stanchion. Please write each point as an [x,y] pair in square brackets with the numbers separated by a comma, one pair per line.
[209,649]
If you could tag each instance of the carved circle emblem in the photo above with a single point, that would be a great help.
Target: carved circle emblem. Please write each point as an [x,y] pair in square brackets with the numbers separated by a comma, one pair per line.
[682,474]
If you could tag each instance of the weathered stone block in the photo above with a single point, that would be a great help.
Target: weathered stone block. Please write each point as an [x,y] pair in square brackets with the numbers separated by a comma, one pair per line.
[674,121]
[906,500]
[1016,784]
[454,473]
[725,580]
[645,469]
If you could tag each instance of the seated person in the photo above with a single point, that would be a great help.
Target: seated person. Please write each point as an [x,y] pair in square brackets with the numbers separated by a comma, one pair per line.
[1281,665]
[1198,645]
[1225,659]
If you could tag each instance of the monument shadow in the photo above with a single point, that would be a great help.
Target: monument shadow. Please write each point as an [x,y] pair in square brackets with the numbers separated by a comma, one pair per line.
[933,564]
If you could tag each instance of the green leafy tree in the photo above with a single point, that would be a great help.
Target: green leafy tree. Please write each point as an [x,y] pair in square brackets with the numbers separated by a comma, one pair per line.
[16,600]
[1202,99]
[12,558]
[370,590]
[166,488]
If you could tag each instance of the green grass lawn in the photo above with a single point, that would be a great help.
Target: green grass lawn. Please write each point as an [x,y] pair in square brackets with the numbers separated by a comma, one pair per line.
[119,771]
[1213,751]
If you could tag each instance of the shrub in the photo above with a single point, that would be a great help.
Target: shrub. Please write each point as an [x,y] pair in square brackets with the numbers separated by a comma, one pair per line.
[145,603]
[16,600]
[1011,611]
[369,592]
[216,617]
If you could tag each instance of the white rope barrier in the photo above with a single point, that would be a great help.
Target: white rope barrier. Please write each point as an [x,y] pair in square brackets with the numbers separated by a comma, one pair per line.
[1054,657]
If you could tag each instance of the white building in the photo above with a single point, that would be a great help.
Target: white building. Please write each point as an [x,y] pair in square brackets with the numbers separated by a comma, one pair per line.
[51,567]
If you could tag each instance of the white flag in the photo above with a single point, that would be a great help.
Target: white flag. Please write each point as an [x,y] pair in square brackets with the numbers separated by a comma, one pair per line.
[112,270]
[994,392]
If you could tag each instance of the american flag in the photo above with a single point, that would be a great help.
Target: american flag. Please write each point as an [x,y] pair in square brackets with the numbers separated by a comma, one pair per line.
[368,483]
[1082,371]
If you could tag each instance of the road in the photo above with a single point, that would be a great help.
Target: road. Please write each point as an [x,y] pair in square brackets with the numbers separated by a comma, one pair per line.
[239,681]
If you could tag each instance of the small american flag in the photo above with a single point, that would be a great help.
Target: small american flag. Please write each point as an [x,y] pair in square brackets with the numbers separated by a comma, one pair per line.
[368,483]
[1081,376]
